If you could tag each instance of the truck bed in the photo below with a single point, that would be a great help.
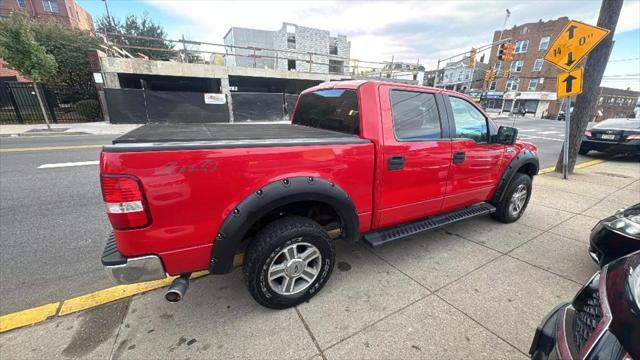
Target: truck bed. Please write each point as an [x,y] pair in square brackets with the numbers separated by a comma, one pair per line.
[173,133]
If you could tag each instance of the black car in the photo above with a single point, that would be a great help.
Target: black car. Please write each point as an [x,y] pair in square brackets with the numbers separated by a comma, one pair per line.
[620,136]
[602,321]
[616,236]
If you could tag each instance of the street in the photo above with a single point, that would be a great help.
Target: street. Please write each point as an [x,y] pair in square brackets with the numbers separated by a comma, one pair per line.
[53,223]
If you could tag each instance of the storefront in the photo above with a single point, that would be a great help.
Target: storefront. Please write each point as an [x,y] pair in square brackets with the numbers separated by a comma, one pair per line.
[534,103]
[493,100]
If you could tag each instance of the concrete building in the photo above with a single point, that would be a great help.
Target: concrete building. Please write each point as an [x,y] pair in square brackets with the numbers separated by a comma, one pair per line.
[459,76]
[66,11]
[402,71]
[531,82]
[433,77]
[291,48]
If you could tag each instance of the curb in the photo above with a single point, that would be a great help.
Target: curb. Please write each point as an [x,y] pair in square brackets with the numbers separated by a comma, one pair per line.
[42,313]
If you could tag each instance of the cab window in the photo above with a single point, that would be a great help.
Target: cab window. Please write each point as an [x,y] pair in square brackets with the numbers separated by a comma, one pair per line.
[415,115]
[470,122]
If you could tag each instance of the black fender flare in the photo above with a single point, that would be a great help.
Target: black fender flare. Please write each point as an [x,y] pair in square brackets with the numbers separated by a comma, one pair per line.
[523,158]
[228,241]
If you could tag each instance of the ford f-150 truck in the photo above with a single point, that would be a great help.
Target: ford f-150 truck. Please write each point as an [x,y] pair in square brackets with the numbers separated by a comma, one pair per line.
[361,161]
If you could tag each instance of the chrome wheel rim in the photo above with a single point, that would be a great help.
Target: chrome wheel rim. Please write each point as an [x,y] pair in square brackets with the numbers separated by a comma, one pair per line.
[294,268]
[518,199]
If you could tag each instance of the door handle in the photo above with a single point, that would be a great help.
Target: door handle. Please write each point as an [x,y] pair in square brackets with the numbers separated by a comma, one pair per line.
[396,162]
[458,157]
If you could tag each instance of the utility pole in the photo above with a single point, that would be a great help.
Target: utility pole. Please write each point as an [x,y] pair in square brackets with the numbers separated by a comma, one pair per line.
[593,70]
[106,6]
[504,25]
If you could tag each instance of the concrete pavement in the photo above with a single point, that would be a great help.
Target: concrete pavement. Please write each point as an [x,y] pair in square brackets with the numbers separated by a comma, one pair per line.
[476,289]
[91,128]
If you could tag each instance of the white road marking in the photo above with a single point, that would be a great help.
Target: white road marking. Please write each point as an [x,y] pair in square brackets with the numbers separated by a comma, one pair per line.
[527,130]
[548,132]
[539,137]
[68,164]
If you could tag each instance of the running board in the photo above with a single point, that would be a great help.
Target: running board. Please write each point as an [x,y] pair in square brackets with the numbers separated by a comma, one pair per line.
[378,238]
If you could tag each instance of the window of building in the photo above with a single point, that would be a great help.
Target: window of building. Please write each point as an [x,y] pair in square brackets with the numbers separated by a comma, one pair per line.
[333,47]
[497,66]
[336,66]
[544,43]
[470,123]
[516,66]
[22,4]
[291,41]
[492,85]
[291,64]
[524,30]
[533,85]
[335,109]
[50,5]
[415,115]
[467,75]
[537,65]
[512,85]
[521,47]
[600,100]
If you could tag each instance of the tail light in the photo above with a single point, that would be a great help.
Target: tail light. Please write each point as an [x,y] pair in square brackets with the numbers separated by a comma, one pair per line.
[633,137]
[587,133]
[125,203]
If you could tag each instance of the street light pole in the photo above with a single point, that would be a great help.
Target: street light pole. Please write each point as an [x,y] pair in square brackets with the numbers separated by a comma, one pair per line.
[106,5]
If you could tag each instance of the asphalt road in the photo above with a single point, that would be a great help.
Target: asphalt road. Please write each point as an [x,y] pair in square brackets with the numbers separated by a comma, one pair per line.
[52,221]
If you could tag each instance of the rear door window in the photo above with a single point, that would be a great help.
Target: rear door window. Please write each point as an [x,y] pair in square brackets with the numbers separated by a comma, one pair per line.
[415,116]
[334,109]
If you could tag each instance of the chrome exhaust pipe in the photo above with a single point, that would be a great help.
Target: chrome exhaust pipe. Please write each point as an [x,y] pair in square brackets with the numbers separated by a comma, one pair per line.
[178,288]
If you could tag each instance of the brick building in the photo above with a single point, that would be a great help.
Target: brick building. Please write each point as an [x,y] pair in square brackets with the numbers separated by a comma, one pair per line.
[532,81]
[292,47]
[614,103]
[66,11]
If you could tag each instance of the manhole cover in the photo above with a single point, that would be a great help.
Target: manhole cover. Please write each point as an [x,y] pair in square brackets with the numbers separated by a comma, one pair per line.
[613,175]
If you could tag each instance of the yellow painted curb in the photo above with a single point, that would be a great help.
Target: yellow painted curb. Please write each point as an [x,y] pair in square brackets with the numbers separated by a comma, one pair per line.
[27,317]
[83,302]
[578,166]
[46,148]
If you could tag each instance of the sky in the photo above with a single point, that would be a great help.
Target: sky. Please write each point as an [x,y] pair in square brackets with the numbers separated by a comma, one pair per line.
[411,31]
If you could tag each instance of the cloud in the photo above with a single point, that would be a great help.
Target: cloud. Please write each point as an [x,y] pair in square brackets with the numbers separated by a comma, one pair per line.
[378,30]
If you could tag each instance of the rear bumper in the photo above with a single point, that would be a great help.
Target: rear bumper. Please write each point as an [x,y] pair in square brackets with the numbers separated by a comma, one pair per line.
[611,146]
[130,270]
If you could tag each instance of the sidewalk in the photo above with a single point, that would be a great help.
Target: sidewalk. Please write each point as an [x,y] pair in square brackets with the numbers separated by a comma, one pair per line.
[476,289]
[93,128]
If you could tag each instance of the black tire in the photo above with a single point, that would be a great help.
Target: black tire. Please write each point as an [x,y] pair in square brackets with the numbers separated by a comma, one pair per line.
[502,212]
[583,150]
[268,244]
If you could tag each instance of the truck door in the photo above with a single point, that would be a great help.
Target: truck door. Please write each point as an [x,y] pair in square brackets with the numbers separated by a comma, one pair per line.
[475,168]
[416,155]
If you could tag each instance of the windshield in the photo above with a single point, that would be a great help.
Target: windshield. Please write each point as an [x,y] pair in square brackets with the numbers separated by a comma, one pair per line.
[335,109]
[624,124]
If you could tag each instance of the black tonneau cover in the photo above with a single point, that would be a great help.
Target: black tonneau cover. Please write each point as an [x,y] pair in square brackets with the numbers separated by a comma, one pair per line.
[201,136]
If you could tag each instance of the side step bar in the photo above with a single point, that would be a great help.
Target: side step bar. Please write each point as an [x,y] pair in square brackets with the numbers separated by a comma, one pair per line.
[378,238]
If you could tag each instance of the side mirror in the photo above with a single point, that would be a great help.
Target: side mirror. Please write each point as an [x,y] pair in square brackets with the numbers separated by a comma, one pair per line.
[507,135]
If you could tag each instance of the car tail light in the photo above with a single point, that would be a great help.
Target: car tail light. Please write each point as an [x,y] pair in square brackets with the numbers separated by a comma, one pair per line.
[633,137]
[587,133]
[124,200]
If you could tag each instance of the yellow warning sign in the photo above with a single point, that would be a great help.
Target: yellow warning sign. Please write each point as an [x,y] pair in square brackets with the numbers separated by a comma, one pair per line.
[574,42]
[570,83]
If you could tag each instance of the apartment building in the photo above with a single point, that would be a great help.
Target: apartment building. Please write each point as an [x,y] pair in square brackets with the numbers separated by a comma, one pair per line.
[66,11]
[460,76]
[292,48]
[531,84]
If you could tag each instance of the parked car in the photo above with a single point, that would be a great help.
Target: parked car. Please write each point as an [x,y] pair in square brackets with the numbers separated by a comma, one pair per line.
[616,236]
[620,136]
[362,160]
[602,321]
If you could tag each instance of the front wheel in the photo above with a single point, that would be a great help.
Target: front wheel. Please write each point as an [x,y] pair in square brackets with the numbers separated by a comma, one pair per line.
[583,150]
[288,262]
[515,199]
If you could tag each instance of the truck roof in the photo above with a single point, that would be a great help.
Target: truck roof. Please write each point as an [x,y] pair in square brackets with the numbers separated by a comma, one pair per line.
[355,84]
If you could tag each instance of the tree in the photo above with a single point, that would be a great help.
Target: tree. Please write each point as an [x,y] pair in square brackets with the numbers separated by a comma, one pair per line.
[141,26]
[593,71]
[21,51]
[69,47]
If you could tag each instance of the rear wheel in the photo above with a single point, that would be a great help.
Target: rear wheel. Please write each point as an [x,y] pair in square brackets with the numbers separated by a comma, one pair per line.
[288,262]
[583,150]
[515,199]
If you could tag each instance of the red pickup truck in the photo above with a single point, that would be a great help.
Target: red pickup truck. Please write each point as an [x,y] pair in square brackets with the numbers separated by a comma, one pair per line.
[361,161]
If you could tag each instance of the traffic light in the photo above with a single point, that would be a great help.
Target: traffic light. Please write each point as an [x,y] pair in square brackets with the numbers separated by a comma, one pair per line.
[508,51]
[472,57]
[502,51]
[490,75]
